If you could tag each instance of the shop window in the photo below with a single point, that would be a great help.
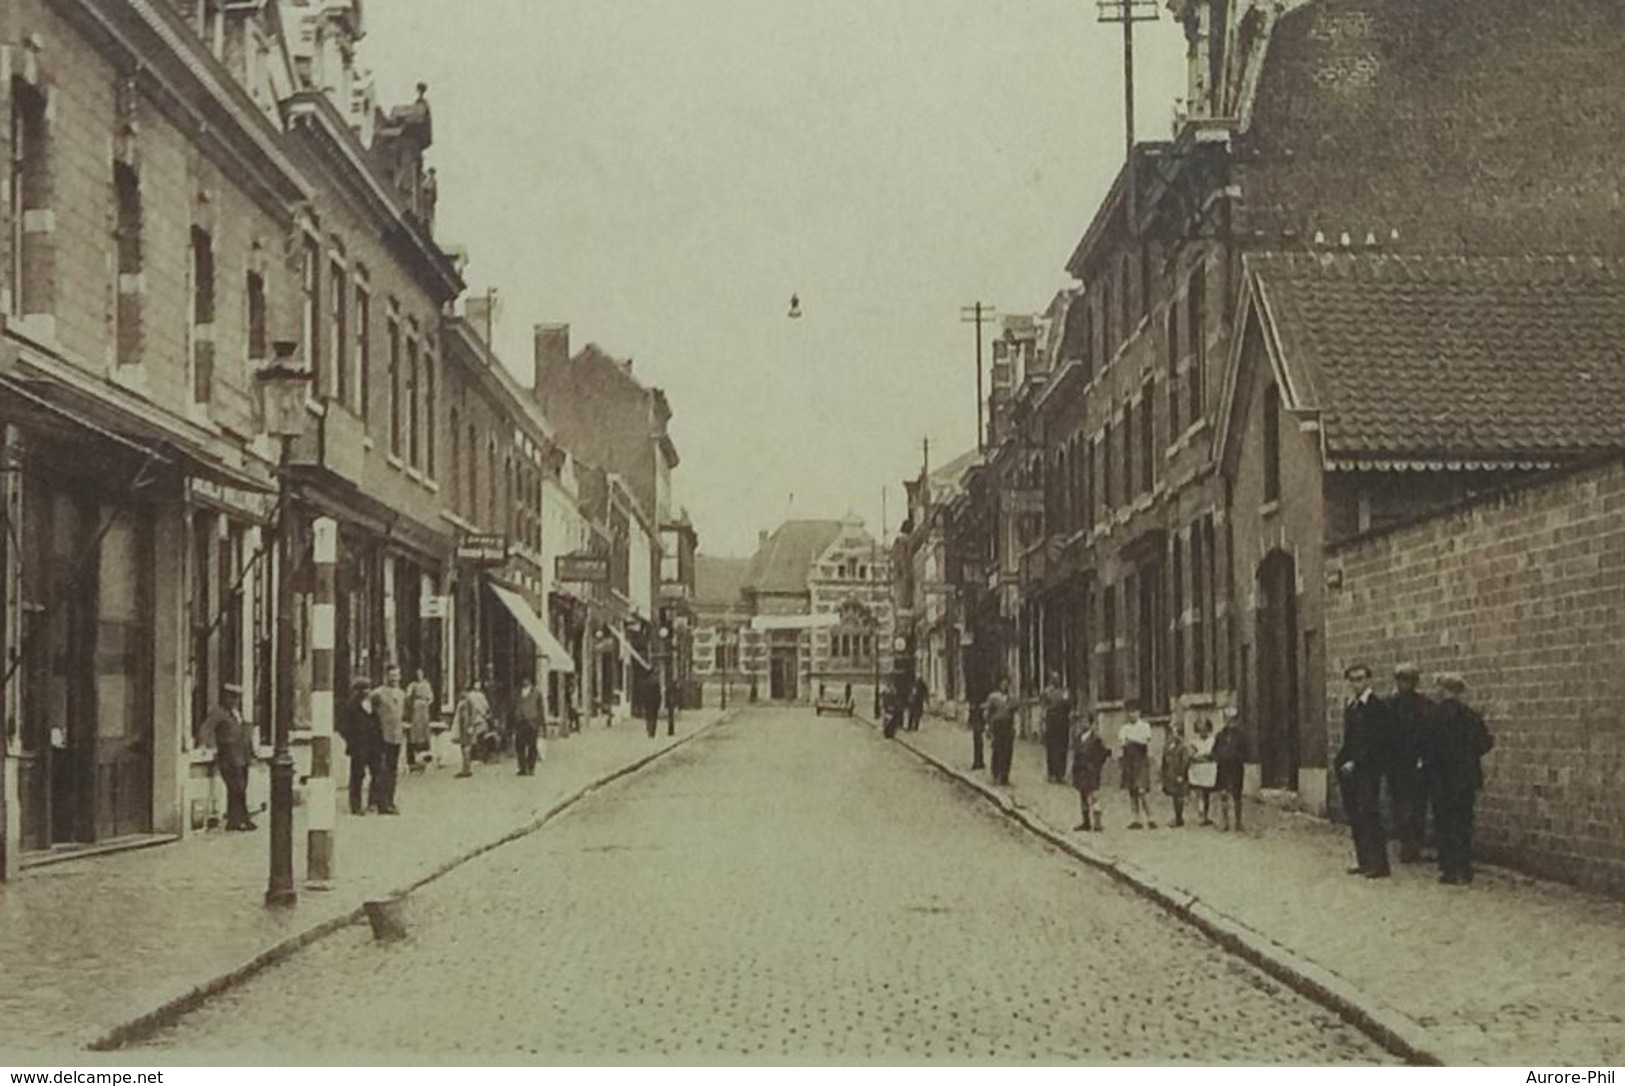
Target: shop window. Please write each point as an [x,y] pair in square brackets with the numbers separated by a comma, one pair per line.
[1199,624]
[128,240]
[1177,581]
[200,329]
[1111,677]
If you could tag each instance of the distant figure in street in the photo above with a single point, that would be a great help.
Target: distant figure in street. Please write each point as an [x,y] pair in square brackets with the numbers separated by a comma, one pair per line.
[1175,769]
[1089,755]
[1457,743]
[1361,761]
[1410,720]
[529,716]
[1135,740]
[1057,728]
[1000,714]
[471,720]
[977,720]
[362,742]
[389,708]
[1230,753]
[1204,771]
[895,706]
[419,707]
[916,704]
[233,754]
[651,705]
[672,699]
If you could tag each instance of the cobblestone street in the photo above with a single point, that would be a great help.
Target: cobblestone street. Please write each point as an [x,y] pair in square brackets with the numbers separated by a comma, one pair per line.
[784,889]
[1508,970]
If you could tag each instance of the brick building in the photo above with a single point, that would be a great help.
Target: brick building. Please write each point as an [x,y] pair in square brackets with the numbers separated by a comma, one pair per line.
[1523,592]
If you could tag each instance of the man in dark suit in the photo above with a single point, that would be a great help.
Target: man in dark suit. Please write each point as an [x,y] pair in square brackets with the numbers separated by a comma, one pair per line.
[1410,714]
[1456,744]
[1361,762]
[233,754]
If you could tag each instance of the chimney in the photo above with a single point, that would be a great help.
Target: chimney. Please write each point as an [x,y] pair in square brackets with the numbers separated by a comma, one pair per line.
[761,538]
[480,312]
[552,352]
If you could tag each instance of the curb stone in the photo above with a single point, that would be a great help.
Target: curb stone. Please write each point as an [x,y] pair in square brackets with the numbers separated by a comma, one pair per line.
[1392,1029]
[170,1010]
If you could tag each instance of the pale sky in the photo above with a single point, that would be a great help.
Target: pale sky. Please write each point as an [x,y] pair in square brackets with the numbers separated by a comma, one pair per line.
[664,174]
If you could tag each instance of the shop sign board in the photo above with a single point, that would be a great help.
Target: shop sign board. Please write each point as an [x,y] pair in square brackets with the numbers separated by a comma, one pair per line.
[483,550]
[583,568]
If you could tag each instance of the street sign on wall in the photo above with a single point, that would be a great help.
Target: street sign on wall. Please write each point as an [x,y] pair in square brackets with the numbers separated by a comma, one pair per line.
[483,550]
[582,568]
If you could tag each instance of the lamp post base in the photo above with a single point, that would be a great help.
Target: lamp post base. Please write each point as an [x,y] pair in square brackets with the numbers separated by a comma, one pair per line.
[280,891]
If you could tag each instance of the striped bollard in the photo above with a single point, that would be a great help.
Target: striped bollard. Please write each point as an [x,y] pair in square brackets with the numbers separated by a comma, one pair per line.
[320,799]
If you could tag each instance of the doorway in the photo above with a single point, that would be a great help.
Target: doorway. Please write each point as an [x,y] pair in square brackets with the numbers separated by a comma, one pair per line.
[1277,660]
[783,668]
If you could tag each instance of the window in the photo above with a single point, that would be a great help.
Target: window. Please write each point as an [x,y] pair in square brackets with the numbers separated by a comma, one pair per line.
[254,303]
[1199,606]
[128,239]
[28,191]
[727,654]
[396,430]
[1272,443]
[1108,476]
[430,411]
[338,331]
[456,451]
[1089,488]
[1127,297]
[200,328]
[1127,427]
[472,496]
[311,324]
[1148,444]
[1108,345]
[1170,335]
[1196,315]
[414,413]
[363,349]
[211,26]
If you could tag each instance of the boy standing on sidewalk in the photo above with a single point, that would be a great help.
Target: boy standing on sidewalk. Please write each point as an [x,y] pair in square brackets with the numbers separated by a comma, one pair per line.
[1089,754]
[1176,766]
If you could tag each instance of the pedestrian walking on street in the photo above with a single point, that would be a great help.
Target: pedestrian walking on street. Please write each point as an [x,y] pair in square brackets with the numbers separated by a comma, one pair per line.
[530,714]
[419,708]
[1176,765]
[1230,753]
[1089,755]
[1135,740]
[1458,742]
[916,704]
[1000,713]
[233,754]
[1204,771]
[1361,762]
[471,720]
[894,705]
[389,709]
[362,742]
[977,719]
[671,707]
[1057,728]
[651,705]
[1410,716]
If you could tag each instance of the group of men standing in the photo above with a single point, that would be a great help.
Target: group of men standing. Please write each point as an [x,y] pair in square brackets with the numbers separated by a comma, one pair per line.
[1429,750]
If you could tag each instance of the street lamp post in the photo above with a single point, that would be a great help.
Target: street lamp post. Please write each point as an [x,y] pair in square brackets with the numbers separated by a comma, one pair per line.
[284,386]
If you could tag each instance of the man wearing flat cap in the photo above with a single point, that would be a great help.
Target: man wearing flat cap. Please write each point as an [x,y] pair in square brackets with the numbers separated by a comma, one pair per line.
[1410,714]
[233,754]
[1457,743]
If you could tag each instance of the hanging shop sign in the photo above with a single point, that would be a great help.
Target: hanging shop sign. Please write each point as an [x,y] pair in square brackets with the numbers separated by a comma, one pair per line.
[583,568]
[483,550]
[248,503]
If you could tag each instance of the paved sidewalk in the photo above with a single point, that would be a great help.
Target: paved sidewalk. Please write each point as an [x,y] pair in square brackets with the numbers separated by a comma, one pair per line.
[91,944]
[1510,970]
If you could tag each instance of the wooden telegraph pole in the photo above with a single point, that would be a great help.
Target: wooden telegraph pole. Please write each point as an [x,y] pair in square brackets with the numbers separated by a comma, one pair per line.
[1127,13]
[978,314]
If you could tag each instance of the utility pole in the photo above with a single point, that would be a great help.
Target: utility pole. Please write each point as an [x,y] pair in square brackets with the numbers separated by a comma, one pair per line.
[978,314]
[1127,13]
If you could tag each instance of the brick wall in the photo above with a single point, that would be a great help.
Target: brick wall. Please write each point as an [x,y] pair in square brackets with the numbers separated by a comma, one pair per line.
[1524,594]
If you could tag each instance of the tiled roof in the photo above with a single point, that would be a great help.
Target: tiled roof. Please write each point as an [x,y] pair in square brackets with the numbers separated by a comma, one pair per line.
[719,582]
[1451,358]
[785,559]
[1472,126]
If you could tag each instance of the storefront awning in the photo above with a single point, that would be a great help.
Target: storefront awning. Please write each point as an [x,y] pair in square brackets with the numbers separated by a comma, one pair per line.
[557,657]
[794,622]
[630,651]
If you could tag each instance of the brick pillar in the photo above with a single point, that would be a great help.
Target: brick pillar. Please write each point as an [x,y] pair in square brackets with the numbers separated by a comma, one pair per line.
[320,800]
